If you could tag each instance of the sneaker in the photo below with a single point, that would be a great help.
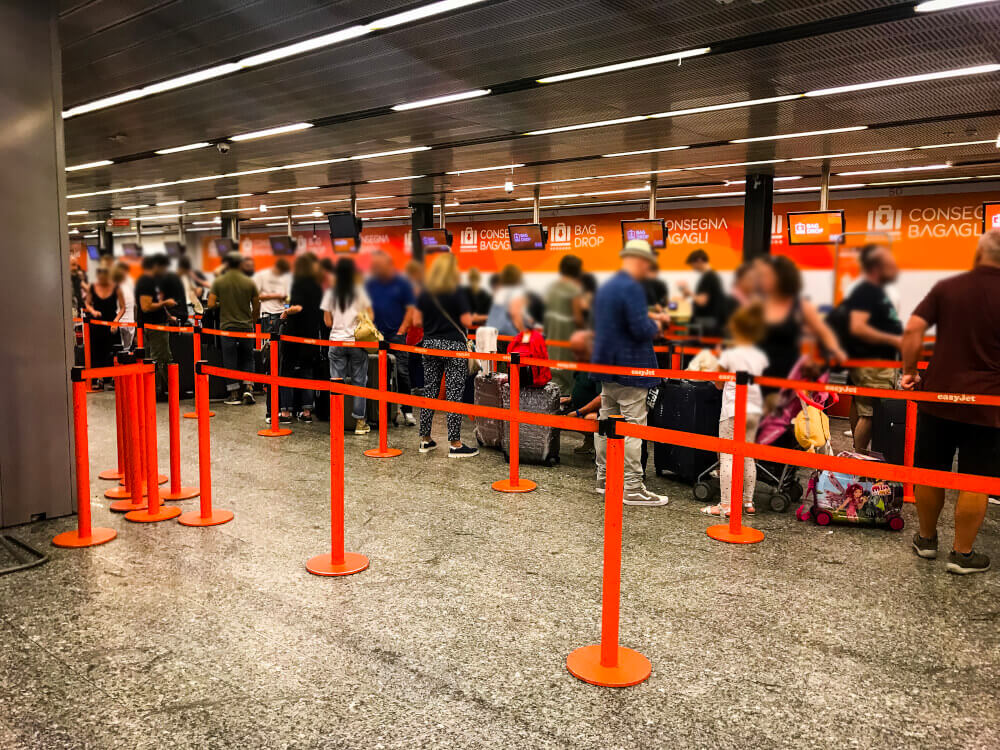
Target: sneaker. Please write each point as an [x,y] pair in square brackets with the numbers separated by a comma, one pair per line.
[362,428]
[285,418]
[267,419]
[599,489]
[233,399]
[305,416]
[963,565]
[248,398]
[642,496]
[426,446]
[409,420]
[462,451]
[925,548]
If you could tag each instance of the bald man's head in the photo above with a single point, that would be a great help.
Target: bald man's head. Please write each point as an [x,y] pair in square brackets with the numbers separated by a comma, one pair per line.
[581,344]
[988,251]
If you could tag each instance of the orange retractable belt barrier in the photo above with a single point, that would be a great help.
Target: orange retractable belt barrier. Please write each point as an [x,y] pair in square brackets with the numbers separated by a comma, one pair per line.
[128,496]
[177,490]
[274,396]
[196,347]
[168,329]
[383,450]
[206,515]
[514,483]
[119,472]
[84,535]
[154,510]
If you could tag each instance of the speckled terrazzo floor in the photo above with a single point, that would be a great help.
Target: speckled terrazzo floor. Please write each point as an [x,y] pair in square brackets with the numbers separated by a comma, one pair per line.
[456,637]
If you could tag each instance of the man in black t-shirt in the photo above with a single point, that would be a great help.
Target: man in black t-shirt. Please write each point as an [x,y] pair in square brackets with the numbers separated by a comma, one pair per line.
[875,332]
[709,298]
[171,287]
[151,306]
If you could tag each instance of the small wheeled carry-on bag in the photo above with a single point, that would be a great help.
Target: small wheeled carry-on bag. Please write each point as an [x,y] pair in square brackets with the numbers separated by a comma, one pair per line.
[489,432]
[845,498]
[538,444]
[685,406]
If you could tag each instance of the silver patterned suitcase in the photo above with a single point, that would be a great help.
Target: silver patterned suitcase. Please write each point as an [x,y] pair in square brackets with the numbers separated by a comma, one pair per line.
[538,444]
[489,432]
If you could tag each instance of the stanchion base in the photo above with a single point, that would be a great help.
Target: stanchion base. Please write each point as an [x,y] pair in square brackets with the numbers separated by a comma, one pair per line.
[126,506]
[194,414]
[117,493]
[217,518]
[160,479]
[746,534]
[585,664]
[73,538]
[323,565]
[523,485]
[387,453]
[184,493]
[280,432]
[110,474]
[163,513]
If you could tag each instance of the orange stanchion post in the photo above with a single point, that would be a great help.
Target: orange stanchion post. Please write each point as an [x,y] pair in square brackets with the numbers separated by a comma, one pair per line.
[196,346]
[84,535]
[154,510]
[608,664]
[206,515]
[118,473]
[139,337]
[258,336]
[177,491]
[140,400]
[383,450]
[910,440]
[337,562]
[131,492]
[675,356]
[275,430]
[735,532]
[514,483]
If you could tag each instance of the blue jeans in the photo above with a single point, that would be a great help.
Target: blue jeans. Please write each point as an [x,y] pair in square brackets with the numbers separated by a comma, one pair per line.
[351,366]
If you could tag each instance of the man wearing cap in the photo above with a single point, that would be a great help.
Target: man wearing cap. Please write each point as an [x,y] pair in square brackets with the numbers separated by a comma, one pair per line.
[238,300]
[624,330]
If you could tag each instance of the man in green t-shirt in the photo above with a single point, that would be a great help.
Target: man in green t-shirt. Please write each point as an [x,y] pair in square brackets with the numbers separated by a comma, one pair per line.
[236,296]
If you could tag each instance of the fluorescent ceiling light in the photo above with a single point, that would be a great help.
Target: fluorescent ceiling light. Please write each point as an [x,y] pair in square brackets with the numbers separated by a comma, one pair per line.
[472,190]
[178,149]
[853,153]
[603,177]
[216,220]
[307,45]
[77,213]
[585,125]
[90,165]
[272,131]
[776,179]
[375,198]
[933,5]
[374,210]
[136,207]
[170,203]
[957,73]
[587,195]
[626,65]
[152,231]
[926,168]
[293,190]
[397,152]
[441,100]
[736,164]
[646,151]
[234,195]
[716,195]
[200,229]
[278,224]
[939,179]
[949,145]
[485,169]
[829,131]
[730,105]
[395,179]
[417,14]
[817,188]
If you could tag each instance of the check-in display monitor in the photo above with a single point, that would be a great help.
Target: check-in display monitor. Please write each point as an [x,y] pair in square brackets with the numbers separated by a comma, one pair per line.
[815,227]
[527,236]
[131,249]
[174,249]
[345,231]
[93,252]
[223,246]
[991,216]
[282,244]
[434,240]
[653,231]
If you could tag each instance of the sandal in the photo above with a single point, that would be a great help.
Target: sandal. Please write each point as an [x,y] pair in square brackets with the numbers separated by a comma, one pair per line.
[715,510]
[749,509]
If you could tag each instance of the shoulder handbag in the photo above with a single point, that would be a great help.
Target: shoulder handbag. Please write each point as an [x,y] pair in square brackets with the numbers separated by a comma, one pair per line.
[470,347]
[365,329]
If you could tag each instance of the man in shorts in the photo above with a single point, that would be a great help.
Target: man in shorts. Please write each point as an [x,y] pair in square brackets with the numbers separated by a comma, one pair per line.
[966,311]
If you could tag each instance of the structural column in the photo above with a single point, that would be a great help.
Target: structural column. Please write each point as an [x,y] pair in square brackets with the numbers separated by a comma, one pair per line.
[421,217]
[757,213]
[36,352]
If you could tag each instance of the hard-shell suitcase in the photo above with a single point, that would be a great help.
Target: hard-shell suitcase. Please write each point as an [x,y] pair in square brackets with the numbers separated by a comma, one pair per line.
[489,432]
[846,498]
[889,428]
[685,406]
[538,444]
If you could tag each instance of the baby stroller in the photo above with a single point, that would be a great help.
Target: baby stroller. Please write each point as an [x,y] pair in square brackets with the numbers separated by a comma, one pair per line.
[777,428]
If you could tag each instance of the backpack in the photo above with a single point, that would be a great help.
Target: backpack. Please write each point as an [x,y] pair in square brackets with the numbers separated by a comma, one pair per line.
[532,344]
[839,320]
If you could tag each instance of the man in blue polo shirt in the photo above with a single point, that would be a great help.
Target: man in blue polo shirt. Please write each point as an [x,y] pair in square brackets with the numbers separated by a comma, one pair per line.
[393,305]
[624,330]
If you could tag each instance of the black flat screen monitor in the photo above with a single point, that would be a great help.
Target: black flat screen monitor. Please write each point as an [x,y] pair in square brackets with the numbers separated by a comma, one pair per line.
[653,231]
[345,231]
[282,244]
[131,249]
[527,236]
[93,251]
[223,246]
[174,249]
[435,240]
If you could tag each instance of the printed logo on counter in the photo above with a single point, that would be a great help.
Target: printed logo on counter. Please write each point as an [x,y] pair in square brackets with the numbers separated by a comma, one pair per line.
[885,219]
[468,241]
[559,237]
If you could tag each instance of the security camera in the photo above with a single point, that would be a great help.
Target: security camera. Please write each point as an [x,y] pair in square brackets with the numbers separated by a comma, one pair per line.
[508,185]
[223,147]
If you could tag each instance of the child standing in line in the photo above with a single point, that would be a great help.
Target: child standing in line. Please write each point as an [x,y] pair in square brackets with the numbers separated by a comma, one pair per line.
[747,327]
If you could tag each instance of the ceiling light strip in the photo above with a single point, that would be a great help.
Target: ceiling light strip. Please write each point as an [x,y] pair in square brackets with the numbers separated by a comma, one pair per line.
[643,62]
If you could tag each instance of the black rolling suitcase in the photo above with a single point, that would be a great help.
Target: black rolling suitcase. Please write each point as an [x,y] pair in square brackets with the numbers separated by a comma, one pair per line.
[182,350]
[685,406]
[889,429]
[537,444]
[216,385]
